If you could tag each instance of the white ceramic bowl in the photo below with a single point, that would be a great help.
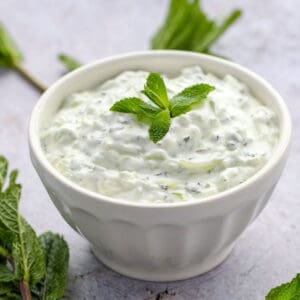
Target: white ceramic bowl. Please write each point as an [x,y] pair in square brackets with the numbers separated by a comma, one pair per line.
[159,242]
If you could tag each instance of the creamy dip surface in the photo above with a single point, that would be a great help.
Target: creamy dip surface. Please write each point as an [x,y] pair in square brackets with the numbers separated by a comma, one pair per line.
[216,146]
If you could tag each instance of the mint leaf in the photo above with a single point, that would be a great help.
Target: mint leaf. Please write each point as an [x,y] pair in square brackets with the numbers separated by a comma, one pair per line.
[286,291]
[3,171]
[9,203]
[28,255]
[135,106]
[179,14]
[4,289]
[216,32]
[69,62]
[159,118]
[160,126]
[57,259]
[182,102]
[156,91]
[25,258]
[6,242]
[19,243]
[5,274]
[187,27]
[8,291]
[10,55]
[4,252]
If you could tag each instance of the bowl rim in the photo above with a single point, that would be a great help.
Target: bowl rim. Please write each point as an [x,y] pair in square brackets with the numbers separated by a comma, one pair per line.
[277,155]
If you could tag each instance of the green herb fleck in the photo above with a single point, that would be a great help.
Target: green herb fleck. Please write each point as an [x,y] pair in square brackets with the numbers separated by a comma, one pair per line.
[159,116]
[286,291]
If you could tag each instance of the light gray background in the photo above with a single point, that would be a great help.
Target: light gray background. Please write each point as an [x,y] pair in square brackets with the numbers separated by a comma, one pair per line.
[266,40]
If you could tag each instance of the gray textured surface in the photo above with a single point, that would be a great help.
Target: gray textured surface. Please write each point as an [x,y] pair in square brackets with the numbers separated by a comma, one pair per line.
[267,40]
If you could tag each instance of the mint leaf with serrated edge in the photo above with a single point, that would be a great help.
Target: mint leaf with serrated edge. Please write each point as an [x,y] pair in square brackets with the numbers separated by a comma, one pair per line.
[28,255]
[25,266]
[57,258]
[159,118]
[160,126]
[26,251]
[156,91]
[6,275]
[286,291]
[135,106]
[182,102]
[8,291]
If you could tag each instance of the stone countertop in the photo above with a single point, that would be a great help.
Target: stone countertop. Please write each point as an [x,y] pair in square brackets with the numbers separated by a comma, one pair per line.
[266,40]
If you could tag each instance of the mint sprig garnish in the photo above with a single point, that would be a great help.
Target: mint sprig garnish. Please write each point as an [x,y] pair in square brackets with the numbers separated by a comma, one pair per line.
[286,291]
[31,267]
[159,116]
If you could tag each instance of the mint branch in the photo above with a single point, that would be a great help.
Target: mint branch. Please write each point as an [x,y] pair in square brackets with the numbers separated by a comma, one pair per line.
[187,27]
[28,264]
[11,58]
[159,116]
[29,78]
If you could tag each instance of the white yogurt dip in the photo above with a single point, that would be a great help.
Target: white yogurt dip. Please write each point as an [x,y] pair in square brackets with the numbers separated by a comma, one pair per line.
[216,146]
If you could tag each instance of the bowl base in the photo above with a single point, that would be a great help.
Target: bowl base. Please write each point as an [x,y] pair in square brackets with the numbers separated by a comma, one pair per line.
[171,275]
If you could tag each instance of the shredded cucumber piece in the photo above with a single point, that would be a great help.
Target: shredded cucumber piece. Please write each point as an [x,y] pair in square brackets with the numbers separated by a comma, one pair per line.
[179,195]
[170,183]
[201,166]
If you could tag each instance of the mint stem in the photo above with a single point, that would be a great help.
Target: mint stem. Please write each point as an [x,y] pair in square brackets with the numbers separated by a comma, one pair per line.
[30,78]
[23,286]
[25,290]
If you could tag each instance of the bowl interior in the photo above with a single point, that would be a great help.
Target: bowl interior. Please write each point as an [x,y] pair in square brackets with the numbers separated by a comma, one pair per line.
[167,62]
